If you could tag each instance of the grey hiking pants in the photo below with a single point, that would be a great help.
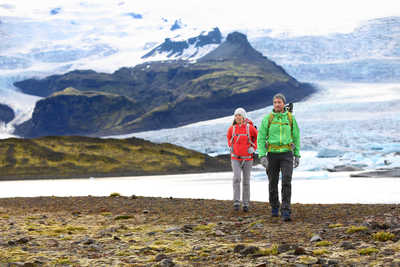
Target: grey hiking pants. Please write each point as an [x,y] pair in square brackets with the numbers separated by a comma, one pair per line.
[280,162]
[239,167]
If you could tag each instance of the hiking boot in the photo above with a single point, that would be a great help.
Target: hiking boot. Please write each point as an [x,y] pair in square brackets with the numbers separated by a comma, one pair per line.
[286,215]
[275,212]
[245,208]
[236,207]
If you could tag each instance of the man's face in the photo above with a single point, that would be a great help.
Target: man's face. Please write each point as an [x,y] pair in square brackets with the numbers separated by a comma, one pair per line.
[278,105]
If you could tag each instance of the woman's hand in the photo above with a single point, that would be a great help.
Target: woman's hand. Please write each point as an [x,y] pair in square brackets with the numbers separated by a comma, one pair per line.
[250,150]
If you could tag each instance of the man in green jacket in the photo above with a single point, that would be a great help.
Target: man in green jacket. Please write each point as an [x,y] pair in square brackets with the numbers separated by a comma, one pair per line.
[279,136]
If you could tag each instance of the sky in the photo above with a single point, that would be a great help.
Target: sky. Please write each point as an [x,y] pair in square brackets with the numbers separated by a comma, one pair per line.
[297,17]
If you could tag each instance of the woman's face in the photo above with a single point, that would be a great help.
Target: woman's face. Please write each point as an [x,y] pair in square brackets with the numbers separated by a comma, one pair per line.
[278,105]
[239,118]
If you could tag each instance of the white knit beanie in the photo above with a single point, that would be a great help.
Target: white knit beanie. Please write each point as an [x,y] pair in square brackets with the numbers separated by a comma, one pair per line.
[241,111]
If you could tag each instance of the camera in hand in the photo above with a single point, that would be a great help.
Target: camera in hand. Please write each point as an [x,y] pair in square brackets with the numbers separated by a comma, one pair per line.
[289,107]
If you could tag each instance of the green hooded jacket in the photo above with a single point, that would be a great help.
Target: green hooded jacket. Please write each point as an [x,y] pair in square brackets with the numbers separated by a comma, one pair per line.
[278,135]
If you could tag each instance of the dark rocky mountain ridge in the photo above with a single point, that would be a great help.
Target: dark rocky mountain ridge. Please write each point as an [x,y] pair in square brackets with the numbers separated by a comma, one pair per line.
[165,94]
[6,113]
[236,47]
[72,112]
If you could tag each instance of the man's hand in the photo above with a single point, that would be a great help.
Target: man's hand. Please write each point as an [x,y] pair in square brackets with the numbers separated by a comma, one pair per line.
[296,162]
[264,162]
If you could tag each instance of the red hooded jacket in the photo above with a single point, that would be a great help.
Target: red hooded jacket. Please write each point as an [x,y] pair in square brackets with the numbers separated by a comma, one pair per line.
[240,141]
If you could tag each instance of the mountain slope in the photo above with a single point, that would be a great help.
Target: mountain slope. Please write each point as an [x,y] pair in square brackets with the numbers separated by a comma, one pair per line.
[236,47]
[72,112]
[58,157]
[175,93]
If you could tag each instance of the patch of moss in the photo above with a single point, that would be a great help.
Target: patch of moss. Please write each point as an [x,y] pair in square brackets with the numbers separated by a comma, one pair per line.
[62,261]
[123,217]
[323,243]
[204,227]
[383,236]
[336,225]
[160,242]
[165,248]
[69,229]
[137,229]
[319,252]
[273,250]
[178,243]
[204,254]
[193,161]
[354,229]
[123,253]
[256,222]
[13,254]
[368,251]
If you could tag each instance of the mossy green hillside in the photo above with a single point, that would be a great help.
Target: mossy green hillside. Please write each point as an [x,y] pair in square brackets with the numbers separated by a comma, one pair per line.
[83,156]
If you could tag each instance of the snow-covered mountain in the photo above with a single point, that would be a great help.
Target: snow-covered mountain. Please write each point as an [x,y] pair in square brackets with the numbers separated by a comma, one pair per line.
[192,48]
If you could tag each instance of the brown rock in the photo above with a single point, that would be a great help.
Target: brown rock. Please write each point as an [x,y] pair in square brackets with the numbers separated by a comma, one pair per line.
[299,251]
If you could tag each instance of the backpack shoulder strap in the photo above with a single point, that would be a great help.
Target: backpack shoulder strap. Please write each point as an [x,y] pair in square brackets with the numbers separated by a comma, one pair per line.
[270,118]
[233,133]
[248,133]
[290,117]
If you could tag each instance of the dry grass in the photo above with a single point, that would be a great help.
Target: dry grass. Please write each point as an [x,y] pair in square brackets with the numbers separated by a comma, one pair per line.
[55,157]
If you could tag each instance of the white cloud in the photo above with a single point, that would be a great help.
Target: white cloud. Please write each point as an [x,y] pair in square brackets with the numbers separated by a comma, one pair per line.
[302,17]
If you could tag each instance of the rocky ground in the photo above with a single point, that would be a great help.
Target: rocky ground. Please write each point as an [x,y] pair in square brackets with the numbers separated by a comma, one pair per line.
[138,231]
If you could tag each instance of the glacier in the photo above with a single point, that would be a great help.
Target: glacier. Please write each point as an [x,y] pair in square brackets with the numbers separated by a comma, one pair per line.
[358,120]
[369,53]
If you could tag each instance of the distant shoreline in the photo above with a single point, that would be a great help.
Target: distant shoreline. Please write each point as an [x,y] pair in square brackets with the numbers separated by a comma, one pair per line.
[103,175]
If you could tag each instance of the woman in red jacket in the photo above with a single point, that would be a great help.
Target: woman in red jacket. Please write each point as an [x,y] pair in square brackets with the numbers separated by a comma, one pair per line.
[242,142]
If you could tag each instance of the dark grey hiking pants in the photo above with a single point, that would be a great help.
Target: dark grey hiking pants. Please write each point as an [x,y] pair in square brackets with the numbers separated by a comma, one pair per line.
[280,162]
